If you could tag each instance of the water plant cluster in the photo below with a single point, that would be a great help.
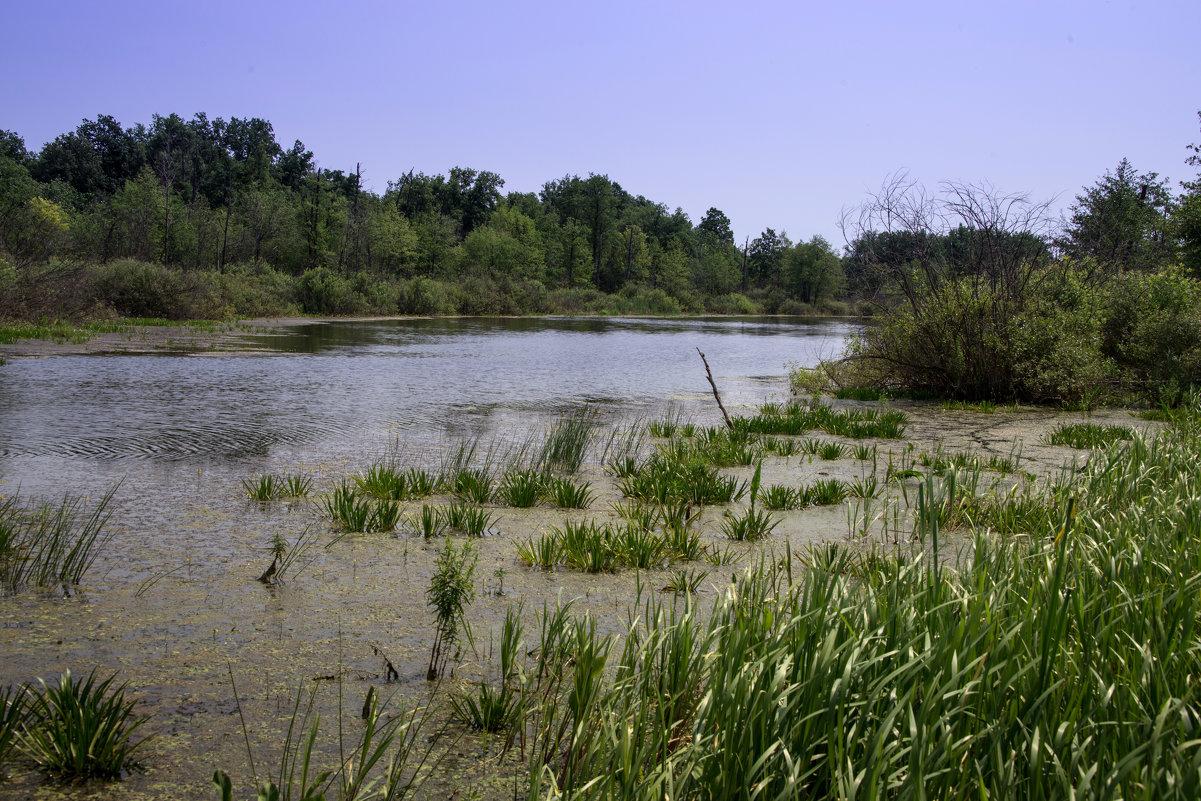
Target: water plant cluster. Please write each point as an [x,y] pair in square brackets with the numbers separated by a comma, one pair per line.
[73,729]
[1061,664]
[47,545]
[795,418]
[645,538]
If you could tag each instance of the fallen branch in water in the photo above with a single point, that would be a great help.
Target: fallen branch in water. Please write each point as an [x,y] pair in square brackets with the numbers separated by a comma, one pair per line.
[716,395]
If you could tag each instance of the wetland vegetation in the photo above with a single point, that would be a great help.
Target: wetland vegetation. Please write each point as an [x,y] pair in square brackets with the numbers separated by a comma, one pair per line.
[846,592]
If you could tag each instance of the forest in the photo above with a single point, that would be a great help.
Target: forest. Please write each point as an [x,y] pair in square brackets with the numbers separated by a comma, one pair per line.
[211,218]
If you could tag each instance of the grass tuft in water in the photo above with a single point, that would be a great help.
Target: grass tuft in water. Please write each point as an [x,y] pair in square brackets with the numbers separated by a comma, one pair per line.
[1087,435]
[567,442]
[567,494]
[469,519]
[520,489]
[43,545]
[80,729]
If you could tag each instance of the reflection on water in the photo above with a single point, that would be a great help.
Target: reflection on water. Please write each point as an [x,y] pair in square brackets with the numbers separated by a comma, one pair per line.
[324,384]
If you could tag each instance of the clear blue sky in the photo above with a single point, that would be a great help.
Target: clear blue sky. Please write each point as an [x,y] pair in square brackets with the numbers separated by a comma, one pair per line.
[780,114]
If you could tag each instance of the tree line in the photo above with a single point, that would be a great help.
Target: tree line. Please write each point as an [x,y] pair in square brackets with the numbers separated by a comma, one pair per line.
[206,198]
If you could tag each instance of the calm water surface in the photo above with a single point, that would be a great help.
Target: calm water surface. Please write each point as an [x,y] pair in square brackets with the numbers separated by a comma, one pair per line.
[326,390]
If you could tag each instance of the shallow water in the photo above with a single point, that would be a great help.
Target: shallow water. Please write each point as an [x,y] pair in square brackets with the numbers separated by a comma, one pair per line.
[173,605]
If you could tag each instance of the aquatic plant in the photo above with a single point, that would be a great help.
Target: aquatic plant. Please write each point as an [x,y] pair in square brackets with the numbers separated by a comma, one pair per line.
[262,488]
[420,483]
[831,450]
[567,494]
[587,546]
[826,492]
[471,484]
[469,519]
[296,486]
[684,580]
[487,708]
[544,552]
[520,488]
[389,761]
[12,718]
[567,442]
[451,589]
[43,545]
[779,497]
[431,522]
[751,525]
[346,510]
[383,480]
[682,535]
[1087,435]
[81,728]
[638,547]
[863,452]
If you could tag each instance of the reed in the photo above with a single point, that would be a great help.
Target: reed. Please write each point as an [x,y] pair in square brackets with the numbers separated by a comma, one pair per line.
[567,442]
[42,545]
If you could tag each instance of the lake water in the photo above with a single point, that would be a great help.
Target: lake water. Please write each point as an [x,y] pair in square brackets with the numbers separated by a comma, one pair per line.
[327,390]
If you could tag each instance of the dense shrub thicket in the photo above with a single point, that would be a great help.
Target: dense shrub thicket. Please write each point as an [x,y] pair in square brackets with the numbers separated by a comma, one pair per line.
[158,217]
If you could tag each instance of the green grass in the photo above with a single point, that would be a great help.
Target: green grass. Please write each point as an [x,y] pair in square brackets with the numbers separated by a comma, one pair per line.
[1059,664]
[567,442]
[779,497]
[567,494]
[12,718]
[1087,435]
[982,407]
[486,708]
[431,522]
[750,525]
[262,488]
[521,489]
[81,728]
[469,519]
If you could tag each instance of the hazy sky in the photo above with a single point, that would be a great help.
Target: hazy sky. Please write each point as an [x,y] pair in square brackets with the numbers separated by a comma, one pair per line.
[780,114]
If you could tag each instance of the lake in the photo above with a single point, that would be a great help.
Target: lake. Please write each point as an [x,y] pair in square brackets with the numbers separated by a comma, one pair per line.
[317,391]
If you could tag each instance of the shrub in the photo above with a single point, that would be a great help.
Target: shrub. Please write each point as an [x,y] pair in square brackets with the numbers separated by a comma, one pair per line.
[142,289]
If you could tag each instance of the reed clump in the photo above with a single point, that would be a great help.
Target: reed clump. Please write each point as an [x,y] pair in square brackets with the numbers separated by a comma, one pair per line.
[46,545]
[1060,664]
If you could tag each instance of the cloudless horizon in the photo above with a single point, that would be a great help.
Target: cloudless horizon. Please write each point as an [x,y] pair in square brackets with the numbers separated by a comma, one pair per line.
[779,114]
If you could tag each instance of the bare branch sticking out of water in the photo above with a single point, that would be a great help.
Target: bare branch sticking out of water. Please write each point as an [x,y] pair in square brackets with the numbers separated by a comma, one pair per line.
[716,394]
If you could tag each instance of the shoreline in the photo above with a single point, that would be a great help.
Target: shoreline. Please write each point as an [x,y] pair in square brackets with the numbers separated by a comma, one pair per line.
[201,337]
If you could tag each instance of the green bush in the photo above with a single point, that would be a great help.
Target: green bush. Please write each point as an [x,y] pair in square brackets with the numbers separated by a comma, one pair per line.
[1064,339]
[143,289]
[322,291]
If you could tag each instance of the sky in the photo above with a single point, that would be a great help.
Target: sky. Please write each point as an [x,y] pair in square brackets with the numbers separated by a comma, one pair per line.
[779,114]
